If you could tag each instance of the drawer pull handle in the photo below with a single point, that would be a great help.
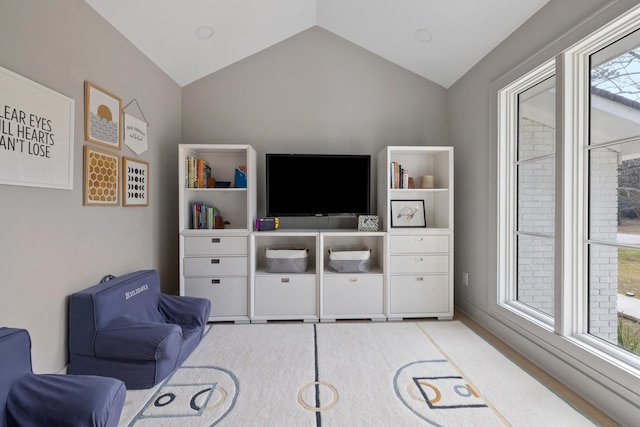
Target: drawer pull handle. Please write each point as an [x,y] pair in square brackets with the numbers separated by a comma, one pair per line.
[419,259]
[353,279]
[420,279]
[215,240]
[419,239]
[284,280]
[215,261]
[215,281]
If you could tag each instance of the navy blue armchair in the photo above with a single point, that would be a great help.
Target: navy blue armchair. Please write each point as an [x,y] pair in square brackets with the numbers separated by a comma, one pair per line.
[28,399]
[126,328]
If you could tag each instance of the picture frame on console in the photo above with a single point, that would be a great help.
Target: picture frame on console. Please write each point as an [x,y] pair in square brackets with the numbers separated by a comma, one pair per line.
[408,214]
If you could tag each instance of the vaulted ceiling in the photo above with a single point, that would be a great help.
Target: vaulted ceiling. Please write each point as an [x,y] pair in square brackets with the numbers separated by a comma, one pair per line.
[439,40]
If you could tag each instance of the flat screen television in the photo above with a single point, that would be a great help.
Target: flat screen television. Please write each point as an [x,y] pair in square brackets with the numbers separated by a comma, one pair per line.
[317,184]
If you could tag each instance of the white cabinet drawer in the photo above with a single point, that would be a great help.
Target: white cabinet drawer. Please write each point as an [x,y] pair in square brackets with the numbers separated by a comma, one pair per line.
[285,295]
[419,263]
[215,266]
[353,294]
[418,244]
[215,245]
[228,295]
[419,294]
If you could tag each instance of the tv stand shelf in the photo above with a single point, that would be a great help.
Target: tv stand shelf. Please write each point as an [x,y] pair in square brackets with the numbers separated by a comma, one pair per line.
[411,269]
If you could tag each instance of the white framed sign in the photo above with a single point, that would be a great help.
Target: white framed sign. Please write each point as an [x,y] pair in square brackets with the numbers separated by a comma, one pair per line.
[36,134]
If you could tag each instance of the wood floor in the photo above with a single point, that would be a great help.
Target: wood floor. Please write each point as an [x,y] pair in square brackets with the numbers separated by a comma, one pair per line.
[575,400]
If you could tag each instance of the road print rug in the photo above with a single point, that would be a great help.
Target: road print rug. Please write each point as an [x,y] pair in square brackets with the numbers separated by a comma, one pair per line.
[427,373]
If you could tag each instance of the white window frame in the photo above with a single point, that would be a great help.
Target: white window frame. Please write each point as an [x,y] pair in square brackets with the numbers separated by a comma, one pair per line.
[567,330]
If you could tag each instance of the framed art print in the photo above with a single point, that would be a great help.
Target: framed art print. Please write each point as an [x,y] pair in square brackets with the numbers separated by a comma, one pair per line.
[101,177]
[102,116]
[36,134]
[408,213]
[367,222]
[135,182]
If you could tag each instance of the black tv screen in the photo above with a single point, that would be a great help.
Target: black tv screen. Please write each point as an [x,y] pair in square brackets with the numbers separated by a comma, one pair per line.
[317,184]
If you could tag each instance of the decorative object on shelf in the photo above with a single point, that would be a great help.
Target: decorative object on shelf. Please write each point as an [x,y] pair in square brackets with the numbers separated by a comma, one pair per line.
[101,178]
[135,129]
[241,177]
[135,182]
[367,222]
[36,134]
[408,213]
[102,116]
[426,181]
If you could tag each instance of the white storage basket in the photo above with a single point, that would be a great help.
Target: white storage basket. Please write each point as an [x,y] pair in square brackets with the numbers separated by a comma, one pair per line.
[350,259]
[286,259]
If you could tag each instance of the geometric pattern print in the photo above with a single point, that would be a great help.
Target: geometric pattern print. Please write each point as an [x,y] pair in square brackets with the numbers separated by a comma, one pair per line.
[430,389]
[192,395]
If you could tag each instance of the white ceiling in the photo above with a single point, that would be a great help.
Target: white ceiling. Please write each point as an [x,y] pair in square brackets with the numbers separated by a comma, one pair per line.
[461,32]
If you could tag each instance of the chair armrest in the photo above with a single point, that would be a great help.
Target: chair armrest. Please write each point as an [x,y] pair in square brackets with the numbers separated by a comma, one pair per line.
[131,339]
[184,310]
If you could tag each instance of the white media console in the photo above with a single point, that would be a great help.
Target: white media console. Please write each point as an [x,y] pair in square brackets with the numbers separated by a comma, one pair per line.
[411,274]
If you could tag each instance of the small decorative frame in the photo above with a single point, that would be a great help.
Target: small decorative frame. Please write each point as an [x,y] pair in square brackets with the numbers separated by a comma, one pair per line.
[408,213]
[135,182]
[102,116]
[367,222]
[101,177]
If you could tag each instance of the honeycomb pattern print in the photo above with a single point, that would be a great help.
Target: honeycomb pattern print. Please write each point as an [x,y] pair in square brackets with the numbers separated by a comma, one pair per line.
[101,169]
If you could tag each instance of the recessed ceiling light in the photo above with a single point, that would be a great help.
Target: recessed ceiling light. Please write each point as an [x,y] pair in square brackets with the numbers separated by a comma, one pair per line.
[204,32]
[423,35]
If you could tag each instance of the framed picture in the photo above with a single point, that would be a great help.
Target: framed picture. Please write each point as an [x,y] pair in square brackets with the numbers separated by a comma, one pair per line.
[101,177]
[408,213]
[102,116]
[367,222]
[36,134]
[135,182]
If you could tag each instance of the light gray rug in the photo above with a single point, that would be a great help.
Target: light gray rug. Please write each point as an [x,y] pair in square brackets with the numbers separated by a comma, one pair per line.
[437,373]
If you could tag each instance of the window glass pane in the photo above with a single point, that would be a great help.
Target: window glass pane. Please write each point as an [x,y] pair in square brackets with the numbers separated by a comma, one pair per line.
[613,280]
[535,272]
[537,121]
[614,192]
[615,91]
[536,196]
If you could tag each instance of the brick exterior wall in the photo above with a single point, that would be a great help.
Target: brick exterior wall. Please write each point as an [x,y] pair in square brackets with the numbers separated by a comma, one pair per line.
[536,210]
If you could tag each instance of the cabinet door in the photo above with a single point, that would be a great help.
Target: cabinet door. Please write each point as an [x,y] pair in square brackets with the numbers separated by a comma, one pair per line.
[228,295]
[419,294]
[353,295]
[289,295]
[419,263]
[215,266]
[419,244]
[215,245]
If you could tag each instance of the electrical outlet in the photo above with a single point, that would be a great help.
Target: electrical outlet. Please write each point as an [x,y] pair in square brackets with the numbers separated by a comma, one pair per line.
[465,278]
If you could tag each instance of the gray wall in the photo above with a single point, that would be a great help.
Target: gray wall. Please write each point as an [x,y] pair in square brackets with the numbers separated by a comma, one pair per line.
[51,245]
[314,93]
[472,131]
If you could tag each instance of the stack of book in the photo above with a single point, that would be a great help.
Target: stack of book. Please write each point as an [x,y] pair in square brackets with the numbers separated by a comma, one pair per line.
[204,216]
[399,176]
[197,172]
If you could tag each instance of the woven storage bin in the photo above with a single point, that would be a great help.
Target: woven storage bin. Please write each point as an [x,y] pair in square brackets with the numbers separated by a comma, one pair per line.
[283,259]
[350,259]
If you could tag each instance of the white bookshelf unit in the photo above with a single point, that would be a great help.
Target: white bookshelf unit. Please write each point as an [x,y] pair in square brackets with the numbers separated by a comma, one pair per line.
[420,276]
[214,262]
[411,268]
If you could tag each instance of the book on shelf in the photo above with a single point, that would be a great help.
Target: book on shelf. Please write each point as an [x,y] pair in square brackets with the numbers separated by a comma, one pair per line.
[203,216]
[399,176]
[197,172]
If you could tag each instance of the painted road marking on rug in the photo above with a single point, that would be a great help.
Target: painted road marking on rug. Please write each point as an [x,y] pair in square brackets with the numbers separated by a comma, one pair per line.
[191,393]
[459,371]
[431,388]
[311,391]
